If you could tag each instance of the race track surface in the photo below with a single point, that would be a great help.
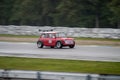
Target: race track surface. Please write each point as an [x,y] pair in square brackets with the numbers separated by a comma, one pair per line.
[92,52]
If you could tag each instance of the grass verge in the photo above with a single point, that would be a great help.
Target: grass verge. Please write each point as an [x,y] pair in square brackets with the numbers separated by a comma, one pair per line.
[60,65]
[77,38]
[18,36]
[98,39]
[79,41]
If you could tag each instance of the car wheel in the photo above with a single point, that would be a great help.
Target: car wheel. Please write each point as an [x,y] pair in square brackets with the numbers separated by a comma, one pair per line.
[58,44]
[52,46]
[39,44]
[71,46]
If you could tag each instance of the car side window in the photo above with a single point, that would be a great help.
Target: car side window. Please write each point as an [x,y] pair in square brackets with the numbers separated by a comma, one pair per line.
[51,36]
[44,36]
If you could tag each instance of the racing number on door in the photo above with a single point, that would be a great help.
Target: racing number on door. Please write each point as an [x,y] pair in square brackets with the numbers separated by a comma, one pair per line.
[49,41]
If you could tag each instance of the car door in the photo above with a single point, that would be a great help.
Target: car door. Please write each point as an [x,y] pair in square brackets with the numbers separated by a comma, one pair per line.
[51,39]
[44,38]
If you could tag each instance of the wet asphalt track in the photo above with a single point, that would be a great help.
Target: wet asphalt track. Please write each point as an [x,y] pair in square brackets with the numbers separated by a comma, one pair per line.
[94,53]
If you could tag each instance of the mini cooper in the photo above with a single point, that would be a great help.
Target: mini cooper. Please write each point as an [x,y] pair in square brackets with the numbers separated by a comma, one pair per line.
[55,40]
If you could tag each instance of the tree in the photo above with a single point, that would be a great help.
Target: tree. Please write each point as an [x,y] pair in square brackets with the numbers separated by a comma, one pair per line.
[48,8]
[5,11]
[97,8]
[81,13]
[72,13]
[115,8]
[64,13]
[68,13]
[26,12]
[33,12]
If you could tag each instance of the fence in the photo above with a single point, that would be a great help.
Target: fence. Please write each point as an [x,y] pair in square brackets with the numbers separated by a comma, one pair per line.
[37,75]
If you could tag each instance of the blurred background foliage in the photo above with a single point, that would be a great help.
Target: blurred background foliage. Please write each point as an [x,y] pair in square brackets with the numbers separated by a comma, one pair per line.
[69,13]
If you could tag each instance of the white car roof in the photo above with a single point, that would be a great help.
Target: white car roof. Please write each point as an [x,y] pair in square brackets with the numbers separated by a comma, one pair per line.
[52,32]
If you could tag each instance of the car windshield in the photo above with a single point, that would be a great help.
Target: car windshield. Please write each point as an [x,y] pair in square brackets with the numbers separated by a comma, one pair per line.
[59,35]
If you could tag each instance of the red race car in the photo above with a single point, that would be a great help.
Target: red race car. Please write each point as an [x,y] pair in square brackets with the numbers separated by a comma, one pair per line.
[55,40]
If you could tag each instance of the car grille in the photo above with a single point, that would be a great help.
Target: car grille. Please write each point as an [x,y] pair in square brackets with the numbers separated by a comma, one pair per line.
[69,42]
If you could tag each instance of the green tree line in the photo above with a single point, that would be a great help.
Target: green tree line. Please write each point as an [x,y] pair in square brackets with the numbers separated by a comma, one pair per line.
[70,13]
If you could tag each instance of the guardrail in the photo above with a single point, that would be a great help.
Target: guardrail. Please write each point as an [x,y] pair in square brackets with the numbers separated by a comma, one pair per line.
[40,75]
[73,32]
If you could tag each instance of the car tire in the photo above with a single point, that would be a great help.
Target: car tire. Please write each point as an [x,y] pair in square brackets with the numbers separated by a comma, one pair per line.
[52,46]
[71,46]
[39,44]
[58,44]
